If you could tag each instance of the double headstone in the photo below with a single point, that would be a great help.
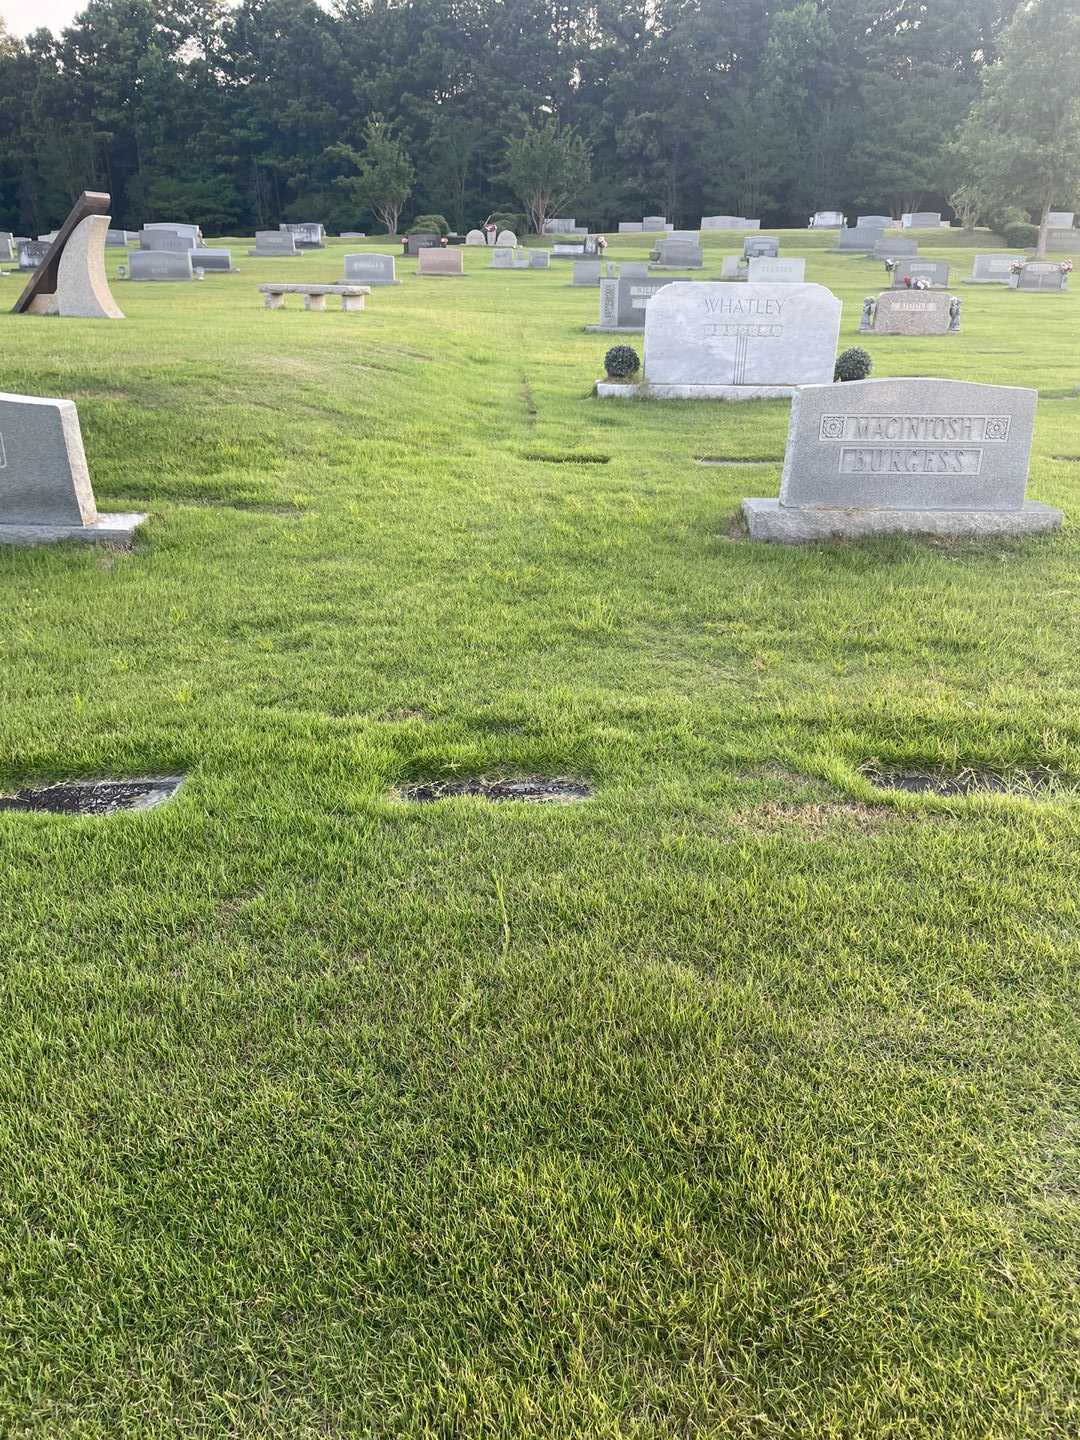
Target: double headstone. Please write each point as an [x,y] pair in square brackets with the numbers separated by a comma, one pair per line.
[216,259]
[827,220]
[539,259]
[176,228]
[881,222]
[934,272]
[729,222]
[308,235]
[32,253]
[370,270]
[907,456]
[893,247]
[860,239]
[1041,275]
[509,257]
[623,300]
[680,252]
[273,245]
[586,272]
[160,265]
[630,227]
[1060,219]
[911,312]
[45,490]
[439,261]
[1063,241]
[420,241]
[652,223]
[922,220]
[761,245]
[710,341]
[991,270]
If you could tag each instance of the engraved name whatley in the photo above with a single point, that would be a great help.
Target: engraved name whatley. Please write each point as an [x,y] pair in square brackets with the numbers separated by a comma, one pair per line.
[745,318]
[913,444]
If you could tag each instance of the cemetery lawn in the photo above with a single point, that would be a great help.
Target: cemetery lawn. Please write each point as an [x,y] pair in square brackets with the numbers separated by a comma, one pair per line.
[740,1100]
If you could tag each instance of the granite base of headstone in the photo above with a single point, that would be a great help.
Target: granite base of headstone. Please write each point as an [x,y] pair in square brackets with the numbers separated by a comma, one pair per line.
[904,456]
[45,494]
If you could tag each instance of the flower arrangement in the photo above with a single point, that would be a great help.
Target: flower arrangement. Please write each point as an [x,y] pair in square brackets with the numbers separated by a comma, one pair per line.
[1066,267]
[1017,266]
[920,282]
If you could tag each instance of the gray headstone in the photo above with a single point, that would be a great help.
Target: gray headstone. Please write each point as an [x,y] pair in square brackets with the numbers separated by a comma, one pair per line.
[732,268]
[539,260]
[1060,219]
[509,257]
[991,270]
[506,237]
[924,220]
[273,244]
[370,270]
[828,219]
[764,269]
[859,239]
[415,243]
[1064,242]
[586,272]
[895,247]
[623,301]
[703,337]
[192,231]
[475,237]
[761,245]
[654,222]
[160,265]
[883,222]
[32,253]
[633,270]
[1041,275]
[7,245]
[215,259]
[904,455]
[915,312]
[308,234]
[165,240]
[676,252]
[630,227]
[936,272]
[728,222]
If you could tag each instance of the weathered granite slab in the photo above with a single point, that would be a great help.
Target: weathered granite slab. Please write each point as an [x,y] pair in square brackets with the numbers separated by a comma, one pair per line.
[934,272]
[372,269]
[827,219]
[274,245]
[923,220]
[160,265]
[1041,275]
[1060,219]
[45,490]
[623,301]
[859,240]
[914,455]
[991,270]
[475,237]
[308,234]
[893,247]
[912,312]
[586,272]
[766,269]
[708,340]
[211,259]
[761,245]
[630,227]
[438,261]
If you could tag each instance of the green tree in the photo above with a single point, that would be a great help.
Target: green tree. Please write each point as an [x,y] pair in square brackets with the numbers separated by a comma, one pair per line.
[546,166]
[385,174]
[1020,145]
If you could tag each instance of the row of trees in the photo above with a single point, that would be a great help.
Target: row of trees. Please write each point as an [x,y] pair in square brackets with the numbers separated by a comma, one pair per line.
[238,117]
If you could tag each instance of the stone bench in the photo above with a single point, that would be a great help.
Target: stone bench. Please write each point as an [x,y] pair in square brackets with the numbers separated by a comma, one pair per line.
[352,296]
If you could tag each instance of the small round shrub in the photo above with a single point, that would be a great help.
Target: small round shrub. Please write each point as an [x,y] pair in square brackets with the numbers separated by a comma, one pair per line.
[430,225]
[1020,236]
[622,362]
[853,364]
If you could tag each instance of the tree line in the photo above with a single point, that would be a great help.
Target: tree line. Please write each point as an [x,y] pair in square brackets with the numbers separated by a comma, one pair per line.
[241,117]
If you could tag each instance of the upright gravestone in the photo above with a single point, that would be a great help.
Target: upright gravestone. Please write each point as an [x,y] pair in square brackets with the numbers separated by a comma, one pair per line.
[308,235]
[422,240]
[1041,275]
[215,259]
[7,246]
[934,272]
[165,240]
[506,237]
[32,254]
[539,260]
[71,280]
[1064,241]
[827,220]
[370,270]
[729,222]
[634,270]
[708,341]
[766,268]
[475,237]
[623,301]
[652,223]
[895,247]
[120,239]
[859,240]
[509,257]
[630,227]
[45,490]
[160,265]
[923,220]
[677,252]
[761,245]
[909,456]
[1060,219]
[734,267]
[273,245]
[881,222]
[438,261]
[586,272]
[991,270]
[193,232]
[911,312]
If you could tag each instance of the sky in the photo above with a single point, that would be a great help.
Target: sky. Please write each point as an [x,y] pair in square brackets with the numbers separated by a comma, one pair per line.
[23,16]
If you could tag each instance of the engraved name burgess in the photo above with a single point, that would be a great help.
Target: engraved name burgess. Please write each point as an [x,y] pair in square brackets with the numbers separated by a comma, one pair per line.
[913,460]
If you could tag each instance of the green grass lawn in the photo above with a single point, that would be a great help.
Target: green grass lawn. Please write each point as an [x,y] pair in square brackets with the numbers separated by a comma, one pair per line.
[739,1101]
